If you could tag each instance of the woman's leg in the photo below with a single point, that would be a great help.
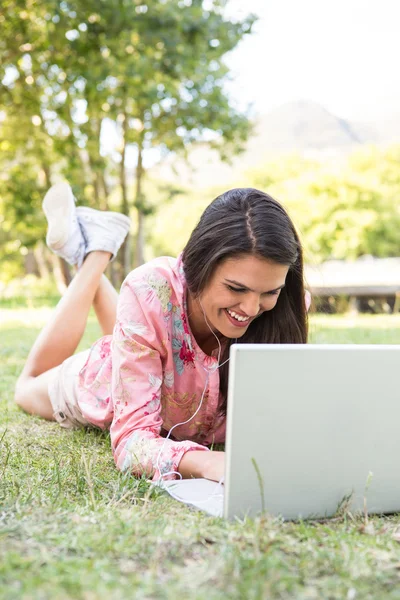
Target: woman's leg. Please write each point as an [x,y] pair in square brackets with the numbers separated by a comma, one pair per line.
[60,337]
[105,305]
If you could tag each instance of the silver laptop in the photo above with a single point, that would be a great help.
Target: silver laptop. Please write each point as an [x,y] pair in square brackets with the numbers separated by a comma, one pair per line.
[310,429]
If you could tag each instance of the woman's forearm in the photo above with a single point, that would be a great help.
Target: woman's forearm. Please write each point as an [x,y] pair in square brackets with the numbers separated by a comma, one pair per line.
[209,465]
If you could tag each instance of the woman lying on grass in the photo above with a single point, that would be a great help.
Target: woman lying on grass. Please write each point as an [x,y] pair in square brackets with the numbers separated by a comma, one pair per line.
[163,360]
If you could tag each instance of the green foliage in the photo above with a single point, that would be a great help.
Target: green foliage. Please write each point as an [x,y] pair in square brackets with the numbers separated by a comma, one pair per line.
[170,227]
[342,211]
[151,73]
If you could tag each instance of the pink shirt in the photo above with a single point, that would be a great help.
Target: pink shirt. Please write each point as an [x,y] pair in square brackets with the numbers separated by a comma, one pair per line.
[150,375]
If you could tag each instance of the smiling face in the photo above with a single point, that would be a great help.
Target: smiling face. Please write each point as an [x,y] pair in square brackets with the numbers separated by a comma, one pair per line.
[240,290]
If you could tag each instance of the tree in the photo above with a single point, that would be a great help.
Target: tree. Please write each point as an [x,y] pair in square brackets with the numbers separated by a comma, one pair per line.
[345,212]
[153,70]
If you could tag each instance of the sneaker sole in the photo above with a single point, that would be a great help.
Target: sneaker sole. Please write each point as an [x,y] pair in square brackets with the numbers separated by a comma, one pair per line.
[57,205]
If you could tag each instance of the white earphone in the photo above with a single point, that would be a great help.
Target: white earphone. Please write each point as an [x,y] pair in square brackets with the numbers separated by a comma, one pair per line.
[209,371]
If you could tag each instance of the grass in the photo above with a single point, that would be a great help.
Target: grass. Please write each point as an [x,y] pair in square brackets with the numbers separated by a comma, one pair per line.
[72,526]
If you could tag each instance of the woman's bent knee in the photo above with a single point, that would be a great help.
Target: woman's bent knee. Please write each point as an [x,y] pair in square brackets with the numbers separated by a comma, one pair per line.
[32,396]
[20,392]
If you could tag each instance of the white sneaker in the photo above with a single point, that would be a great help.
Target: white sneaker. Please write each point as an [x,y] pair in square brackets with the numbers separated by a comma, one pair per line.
[103,230]
[64,235]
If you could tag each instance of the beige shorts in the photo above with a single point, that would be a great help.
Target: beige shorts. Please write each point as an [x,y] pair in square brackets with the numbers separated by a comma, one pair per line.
[63,392]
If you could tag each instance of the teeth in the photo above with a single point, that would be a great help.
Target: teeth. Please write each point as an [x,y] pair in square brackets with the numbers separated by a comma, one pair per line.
[236,316]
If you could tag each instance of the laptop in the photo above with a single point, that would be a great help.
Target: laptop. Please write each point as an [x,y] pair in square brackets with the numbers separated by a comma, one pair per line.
[311,429]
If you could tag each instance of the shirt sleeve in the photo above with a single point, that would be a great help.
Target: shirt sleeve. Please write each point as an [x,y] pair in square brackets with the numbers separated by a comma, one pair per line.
[138,348]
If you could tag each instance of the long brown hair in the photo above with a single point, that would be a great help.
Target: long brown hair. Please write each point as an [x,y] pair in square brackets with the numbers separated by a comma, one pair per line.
[247,221]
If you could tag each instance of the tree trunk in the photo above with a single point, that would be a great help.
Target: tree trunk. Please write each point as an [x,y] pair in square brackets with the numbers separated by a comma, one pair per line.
[114,274]
[40,257]
[58,274]
[47,175]
[66,271]
[61,273]
[44,162]
[94,160]
[31,266]
[139,251]
[75,156]
[95,180]
[122,173]
[125,259]
[106,191]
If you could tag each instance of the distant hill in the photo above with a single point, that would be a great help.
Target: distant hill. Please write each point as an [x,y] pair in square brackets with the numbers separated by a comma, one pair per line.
[303,126]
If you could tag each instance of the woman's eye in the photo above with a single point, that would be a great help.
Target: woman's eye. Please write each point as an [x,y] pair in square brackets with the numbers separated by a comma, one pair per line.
[233,289]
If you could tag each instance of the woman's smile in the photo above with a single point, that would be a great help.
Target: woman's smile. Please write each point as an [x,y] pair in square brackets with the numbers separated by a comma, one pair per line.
[236,319]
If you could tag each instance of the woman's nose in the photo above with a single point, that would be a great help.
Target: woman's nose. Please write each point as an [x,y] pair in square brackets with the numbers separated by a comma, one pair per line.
[251,306]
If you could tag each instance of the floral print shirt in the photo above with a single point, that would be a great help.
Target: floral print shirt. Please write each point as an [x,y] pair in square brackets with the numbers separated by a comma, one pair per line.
[150,375]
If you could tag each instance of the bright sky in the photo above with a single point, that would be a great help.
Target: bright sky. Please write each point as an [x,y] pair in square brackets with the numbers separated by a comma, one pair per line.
[343,54]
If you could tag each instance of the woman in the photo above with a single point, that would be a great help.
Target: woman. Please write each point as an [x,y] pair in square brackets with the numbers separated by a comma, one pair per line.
[158,377]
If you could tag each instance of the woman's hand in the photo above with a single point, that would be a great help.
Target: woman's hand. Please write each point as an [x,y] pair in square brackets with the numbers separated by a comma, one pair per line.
[210,465]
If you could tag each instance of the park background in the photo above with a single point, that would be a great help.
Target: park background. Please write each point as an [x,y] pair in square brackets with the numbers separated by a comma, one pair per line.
[153,108]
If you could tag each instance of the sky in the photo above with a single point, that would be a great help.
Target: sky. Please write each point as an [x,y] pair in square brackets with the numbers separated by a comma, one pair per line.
[343,54]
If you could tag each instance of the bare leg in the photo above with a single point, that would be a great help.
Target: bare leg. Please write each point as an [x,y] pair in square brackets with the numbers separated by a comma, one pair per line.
[105,305]
[61,336]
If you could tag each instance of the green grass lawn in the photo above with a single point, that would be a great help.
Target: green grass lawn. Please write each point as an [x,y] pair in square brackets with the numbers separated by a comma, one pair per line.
[72,526]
